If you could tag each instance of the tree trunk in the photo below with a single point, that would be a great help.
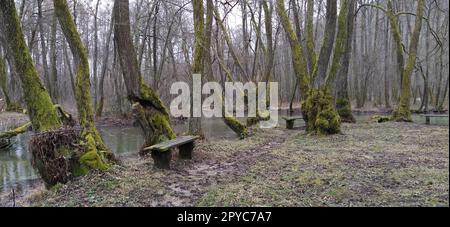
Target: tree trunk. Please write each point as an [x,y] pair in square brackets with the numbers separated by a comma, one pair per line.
[317,105]
[40,107]
[53,61]
[297,55]
[149,110]
[95,56]
[106,51]
[55,158]
[155,47]
[320,71]
[234,124]
[310,43]
[195,123]
[69,66]
[3,80]
[44,49]
[95,157]
[343,102]
[402,111]
[387,102]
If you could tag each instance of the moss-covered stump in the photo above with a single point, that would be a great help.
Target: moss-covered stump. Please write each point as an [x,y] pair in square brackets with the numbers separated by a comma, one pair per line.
[320,116]
[344,110]
[62,154]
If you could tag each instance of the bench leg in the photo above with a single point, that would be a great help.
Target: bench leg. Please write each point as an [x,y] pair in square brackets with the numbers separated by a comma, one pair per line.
[186,150]
[290,124]
[427,120]
[162,159]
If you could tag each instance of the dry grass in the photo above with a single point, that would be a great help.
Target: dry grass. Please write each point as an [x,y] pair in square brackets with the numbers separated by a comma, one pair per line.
[390,164]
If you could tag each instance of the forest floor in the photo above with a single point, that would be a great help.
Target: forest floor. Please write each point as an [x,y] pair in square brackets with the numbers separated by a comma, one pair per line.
[369,164]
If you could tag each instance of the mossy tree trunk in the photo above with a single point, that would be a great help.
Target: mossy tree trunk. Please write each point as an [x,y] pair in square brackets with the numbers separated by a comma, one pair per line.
[3,80]
[320,70]
[54,162]
[53,60]
[317,104]
[195,123]
[310,44]
[233,123]
[343,102]
[297,55]
[40,108]
[402,111]
[97,154]
[270,53]
[48,83]
[149,111]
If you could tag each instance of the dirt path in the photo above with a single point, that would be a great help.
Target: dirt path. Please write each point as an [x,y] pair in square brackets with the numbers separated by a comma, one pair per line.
[187,184]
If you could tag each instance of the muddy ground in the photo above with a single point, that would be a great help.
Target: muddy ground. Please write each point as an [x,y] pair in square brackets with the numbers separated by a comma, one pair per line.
[370,164]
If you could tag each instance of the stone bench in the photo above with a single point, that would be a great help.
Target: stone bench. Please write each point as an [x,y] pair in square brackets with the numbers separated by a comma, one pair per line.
[162,152]
[290,121]
[429,116]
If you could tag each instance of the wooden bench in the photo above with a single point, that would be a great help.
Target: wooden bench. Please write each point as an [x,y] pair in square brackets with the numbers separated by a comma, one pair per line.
[290,121]
[429,116]
[162,152]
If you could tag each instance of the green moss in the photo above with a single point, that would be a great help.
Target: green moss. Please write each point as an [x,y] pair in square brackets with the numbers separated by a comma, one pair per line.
[260,116]
[403,112]
[92,159]
[297,53]
[39,105]
[96,152]
[251,121]
[341,39]
[154,123]
[236,126]
[344,110]
[161,121]
[321,117]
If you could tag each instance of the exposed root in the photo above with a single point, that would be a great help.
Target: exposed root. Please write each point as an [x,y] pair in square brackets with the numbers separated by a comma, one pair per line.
[60,155]
[55,154]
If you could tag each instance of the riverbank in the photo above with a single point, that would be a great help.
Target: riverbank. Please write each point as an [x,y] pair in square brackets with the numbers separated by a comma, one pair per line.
[370,164]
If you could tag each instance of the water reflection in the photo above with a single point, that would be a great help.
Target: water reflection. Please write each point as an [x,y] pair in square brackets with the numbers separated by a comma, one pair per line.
[16,170]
